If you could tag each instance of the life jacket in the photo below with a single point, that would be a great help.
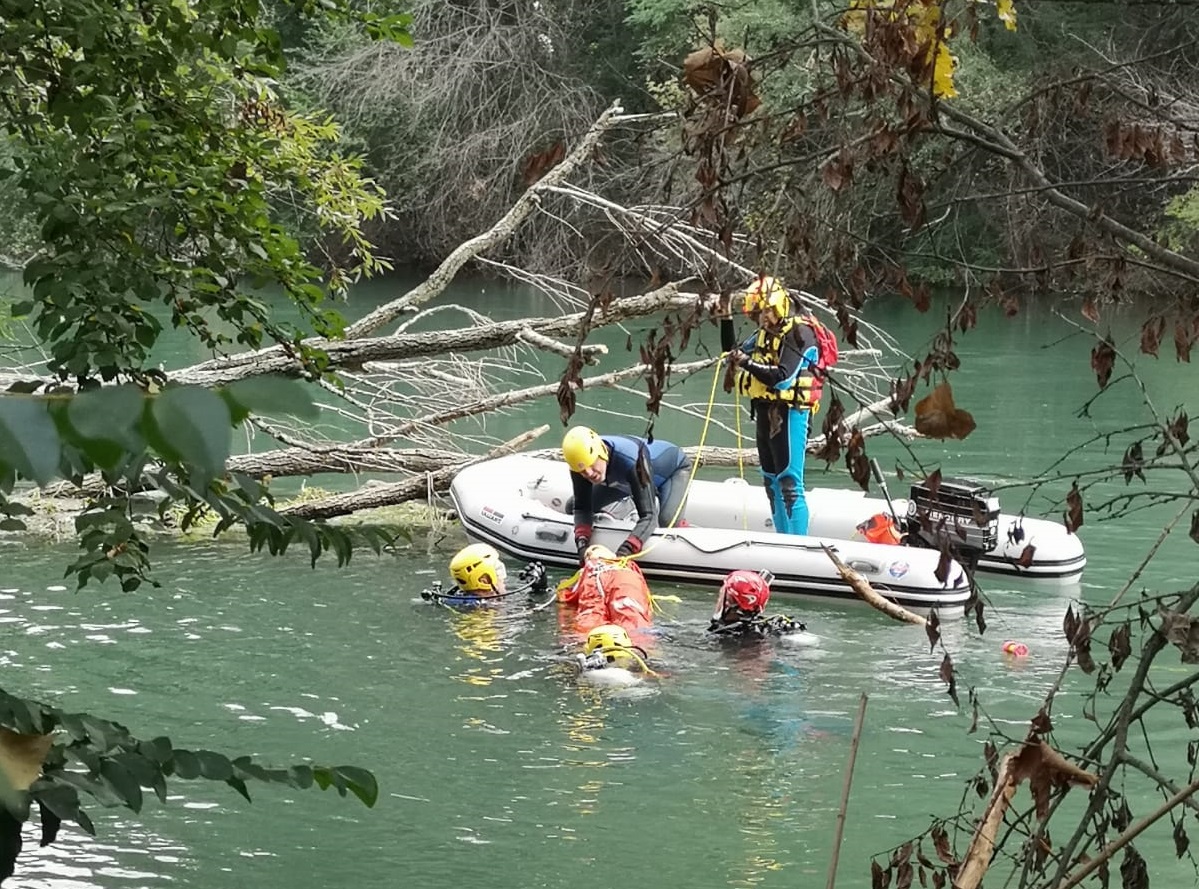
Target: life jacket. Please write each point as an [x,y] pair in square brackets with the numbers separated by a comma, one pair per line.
[610,593]
[765,349]
[623,450]
[880,528]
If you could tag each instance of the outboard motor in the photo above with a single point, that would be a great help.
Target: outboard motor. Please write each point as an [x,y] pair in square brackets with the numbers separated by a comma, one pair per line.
[960,514]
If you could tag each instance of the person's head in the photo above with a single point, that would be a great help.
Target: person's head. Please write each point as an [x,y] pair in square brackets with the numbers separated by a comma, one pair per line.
[478,569]
[758,296]
[743,594]
[613,643]
[597,552]
[585,453]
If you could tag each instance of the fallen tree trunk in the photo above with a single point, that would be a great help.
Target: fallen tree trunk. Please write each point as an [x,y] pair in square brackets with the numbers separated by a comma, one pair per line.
[354,353]
[301,461]
[525,205]
[376,495]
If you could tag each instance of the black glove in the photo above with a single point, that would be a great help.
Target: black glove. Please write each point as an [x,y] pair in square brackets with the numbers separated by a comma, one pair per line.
[581,544]
[533,576]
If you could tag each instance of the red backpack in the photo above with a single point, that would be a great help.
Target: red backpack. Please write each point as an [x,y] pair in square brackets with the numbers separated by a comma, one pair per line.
[829,352]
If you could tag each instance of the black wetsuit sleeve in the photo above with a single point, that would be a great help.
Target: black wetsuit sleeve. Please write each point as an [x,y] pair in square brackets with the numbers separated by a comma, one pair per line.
[728,335]
[584,515]
[645,496]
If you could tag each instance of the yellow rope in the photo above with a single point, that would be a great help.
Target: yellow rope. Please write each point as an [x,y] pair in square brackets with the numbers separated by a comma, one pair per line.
[624,560]
[703,436]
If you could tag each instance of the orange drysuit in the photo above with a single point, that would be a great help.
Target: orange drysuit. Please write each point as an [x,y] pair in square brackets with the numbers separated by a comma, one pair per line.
[609,593]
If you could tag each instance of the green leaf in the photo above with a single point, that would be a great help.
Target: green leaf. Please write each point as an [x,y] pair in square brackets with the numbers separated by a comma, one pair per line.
[29,441]
[187,766]
[61,799]
[157,749]
[273,395]
[195,423]
[240,786]
[122,783]
[110,413]
[24,387]
[361,783]
[301,776]
[214,766]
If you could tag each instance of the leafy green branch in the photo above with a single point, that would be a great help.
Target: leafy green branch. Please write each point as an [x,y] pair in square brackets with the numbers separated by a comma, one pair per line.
[175,439]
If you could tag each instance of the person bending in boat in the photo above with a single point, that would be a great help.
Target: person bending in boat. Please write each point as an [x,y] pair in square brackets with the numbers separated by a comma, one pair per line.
[605,469]
[741,605]
[610,590]
[774,370]
[480,576]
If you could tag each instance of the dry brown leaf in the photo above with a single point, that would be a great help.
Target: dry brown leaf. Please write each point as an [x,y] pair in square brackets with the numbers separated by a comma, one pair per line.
[21,757]
[938,417]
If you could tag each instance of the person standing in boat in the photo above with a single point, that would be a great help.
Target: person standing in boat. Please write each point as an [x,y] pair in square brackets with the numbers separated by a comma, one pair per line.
[774,369]
[741,606]
[605,469]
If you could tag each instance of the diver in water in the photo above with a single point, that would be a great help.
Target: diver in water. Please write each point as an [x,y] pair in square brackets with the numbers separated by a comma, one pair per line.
[741,605]
[480,577]
[610,647]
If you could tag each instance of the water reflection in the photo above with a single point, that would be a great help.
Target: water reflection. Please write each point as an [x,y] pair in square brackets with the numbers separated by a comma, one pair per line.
[79,861]
[482,636]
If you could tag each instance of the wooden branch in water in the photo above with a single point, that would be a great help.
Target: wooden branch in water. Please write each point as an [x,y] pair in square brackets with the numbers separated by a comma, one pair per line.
[862,587]
[391,494]
[839,830]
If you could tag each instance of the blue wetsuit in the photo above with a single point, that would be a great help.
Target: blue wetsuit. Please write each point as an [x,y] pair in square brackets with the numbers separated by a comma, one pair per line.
[783,416]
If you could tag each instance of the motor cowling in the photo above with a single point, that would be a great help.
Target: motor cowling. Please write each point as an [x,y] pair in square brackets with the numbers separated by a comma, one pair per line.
[957,514]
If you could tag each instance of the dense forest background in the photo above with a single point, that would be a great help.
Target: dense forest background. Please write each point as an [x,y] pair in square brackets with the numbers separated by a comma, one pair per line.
[1046,116]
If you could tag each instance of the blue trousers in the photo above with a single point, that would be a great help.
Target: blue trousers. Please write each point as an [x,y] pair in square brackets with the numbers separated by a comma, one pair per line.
[782,436]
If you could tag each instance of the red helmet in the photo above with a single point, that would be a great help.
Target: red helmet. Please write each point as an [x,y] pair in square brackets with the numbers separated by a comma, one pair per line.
[747,590]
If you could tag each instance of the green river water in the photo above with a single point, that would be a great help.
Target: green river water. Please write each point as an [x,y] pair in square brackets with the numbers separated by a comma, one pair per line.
[495,769]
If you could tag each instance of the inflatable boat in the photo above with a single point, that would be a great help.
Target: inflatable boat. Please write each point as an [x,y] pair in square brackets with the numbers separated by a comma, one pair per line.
[518,504]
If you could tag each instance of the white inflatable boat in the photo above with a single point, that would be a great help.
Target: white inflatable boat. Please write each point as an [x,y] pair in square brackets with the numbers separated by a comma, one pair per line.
[517,504]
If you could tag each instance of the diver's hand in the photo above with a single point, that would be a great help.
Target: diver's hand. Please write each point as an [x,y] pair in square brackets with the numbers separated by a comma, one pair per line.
[736,358]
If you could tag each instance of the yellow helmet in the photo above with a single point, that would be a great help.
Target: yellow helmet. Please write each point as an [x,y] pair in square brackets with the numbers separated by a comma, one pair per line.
[758,295]
[606,638]
[581,447]
[599,551]
[478,569]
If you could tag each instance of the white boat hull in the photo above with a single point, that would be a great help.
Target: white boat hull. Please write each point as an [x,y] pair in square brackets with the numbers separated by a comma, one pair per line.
[517,504]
